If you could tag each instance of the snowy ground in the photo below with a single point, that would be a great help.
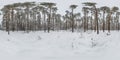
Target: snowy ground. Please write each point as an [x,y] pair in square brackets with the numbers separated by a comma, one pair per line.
[59,46]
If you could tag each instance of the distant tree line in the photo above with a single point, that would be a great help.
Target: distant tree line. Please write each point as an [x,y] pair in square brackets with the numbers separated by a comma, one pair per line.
[32,16]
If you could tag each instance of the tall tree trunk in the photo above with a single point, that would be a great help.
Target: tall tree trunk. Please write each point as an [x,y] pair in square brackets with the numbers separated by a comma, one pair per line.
[91,23]
[66,24]
[27,25]
[49,20]
[103,21]
[53,22]
[84,22]
[12,20]
[72,21]
[109,19]
[96,18]
[44,22]
[8,23]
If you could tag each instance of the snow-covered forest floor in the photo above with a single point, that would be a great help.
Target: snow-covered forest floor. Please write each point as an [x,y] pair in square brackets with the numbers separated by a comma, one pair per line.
[60,45]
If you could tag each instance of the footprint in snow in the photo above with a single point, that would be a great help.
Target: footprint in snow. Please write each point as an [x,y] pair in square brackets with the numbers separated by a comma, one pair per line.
[39,38]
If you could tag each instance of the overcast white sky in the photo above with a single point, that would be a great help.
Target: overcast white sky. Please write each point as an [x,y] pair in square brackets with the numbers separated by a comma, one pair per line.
[64,4]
